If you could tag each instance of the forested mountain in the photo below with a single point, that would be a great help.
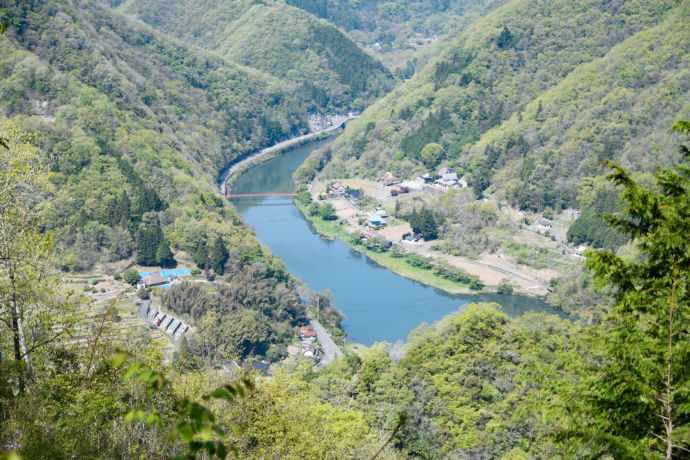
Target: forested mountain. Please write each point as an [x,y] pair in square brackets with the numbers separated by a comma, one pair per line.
[132,121]
[136,127]
[283,41]
[530,97]
[404,34]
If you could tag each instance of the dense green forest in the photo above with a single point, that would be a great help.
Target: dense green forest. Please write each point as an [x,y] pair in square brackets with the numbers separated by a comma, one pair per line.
[135,127]
[404,34]
[131,121]
[548,92]
[285,42]
[116,118]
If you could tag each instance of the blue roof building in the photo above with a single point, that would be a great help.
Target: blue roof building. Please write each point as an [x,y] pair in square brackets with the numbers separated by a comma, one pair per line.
[376,220]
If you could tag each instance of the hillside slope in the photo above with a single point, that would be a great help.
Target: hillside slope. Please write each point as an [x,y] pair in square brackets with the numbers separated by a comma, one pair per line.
[518,86]
[283,41]
[402,33]
[136,127]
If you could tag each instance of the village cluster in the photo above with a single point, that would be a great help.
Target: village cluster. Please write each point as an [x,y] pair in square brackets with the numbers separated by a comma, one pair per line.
[307,336]
[446,178]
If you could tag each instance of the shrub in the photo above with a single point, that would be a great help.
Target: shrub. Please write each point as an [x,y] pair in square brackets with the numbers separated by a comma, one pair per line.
[131,276]
[504,287]
[143,294]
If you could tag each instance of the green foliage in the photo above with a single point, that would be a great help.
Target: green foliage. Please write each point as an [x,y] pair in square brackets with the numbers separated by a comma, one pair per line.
[633,399]
[113,154]
[201,255]
[195,424]
[36,313]
[431,154]
[538,108]
[143,294]
[218,255]
[327,67]
[595,198]
[425,223]
[464,384]
[504,287]
[149,239]
[131,276]
[164,255]
[327,212]
[246,317]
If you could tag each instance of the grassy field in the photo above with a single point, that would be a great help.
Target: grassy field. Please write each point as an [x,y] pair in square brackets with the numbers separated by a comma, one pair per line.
[334,229]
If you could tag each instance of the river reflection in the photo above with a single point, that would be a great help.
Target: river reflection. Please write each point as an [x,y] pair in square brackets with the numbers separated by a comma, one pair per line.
[378,304]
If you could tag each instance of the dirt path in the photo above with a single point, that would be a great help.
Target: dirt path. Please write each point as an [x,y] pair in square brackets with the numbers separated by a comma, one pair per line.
[489,273]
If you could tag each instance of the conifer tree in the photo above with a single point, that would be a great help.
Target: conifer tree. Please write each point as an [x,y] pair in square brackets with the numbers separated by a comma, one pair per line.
[164,255]
[633,399]
[148,241]
[200,255]
[218,256]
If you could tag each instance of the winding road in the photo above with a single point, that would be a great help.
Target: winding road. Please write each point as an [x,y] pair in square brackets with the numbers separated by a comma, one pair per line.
[330,349]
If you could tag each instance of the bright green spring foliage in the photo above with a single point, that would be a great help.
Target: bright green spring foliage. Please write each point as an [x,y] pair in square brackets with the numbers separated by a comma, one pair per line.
[633,397]
[33,312]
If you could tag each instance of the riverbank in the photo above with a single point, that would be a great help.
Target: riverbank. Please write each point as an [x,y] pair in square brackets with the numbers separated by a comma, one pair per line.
[255,159]
[333,229]
[336,229]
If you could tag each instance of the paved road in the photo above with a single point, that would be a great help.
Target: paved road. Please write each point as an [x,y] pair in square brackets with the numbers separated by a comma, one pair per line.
[141,310]
[330,349]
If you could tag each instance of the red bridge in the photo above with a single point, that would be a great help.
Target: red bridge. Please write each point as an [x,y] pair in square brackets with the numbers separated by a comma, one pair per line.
[244,195]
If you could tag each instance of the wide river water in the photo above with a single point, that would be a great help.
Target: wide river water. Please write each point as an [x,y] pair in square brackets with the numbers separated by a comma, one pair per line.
[378,304]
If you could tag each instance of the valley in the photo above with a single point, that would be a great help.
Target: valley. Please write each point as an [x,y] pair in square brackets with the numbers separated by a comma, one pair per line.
[334,229]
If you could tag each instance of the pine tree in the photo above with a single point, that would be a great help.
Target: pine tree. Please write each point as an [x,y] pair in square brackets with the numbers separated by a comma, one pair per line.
[218,256]
[505,38]
[540,109]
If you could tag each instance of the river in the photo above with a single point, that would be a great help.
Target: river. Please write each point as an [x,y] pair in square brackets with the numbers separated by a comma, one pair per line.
[378,304]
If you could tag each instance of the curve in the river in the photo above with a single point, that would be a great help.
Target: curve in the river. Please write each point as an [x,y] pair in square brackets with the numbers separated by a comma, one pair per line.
[378,304]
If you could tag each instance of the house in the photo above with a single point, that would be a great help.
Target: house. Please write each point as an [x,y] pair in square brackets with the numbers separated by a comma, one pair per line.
[389,179]
[261,366]
[353,193]
[369,234]
[426,178]
[543,224]
[307,333]
[309,350]
[447,177]
[381,212]
[153,279]
[338,190]
[376,221]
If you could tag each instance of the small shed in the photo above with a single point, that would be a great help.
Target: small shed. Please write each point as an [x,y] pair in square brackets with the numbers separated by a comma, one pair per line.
[543,224]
